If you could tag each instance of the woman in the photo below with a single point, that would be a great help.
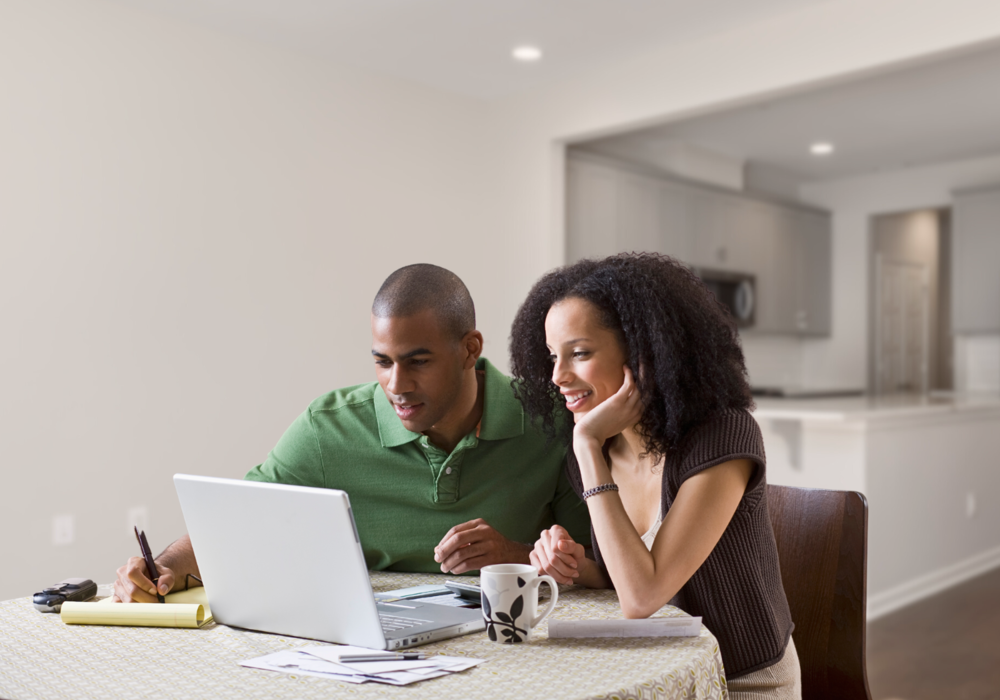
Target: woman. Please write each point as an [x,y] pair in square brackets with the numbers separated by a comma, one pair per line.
[664,452]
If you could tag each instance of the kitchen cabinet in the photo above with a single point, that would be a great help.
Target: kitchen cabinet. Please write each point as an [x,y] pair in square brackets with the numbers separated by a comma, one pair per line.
[591,212]
[612,209]
[675,222]
[774,270]
[975,260]
[813,273]
[638,213]
[720,240]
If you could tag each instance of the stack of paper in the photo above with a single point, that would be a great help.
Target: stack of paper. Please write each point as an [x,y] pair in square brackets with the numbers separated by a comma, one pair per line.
[649,627]
[324,661]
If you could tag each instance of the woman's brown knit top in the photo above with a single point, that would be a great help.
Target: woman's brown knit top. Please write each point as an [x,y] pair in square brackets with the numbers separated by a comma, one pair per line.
[737,591]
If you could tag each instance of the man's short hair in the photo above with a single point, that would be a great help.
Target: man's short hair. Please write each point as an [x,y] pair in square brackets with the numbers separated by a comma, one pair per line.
[415,288]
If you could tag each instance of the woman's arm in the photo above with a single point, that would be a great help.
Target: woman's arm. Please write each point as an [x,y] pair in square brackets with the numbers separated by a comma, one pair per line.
[647,579]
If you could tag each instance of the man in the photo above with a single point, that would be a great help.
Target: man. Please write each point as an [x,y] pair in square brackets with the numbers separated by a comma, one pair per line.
[444,471]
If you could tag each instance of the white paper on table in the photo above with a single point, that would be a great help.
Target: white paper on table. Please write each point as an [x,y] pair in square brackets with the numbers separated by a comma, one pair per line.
[427,671]
[294,662]
[379,667]
[333,655]
[321,661]
[451,664]
[404,678]
[455,664]
[650,627]
[320,666]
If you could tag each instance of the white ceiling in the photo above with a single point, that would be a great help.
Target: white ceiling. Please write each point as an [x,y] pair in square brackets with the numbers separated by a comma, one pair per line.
[464,46]
[948,110]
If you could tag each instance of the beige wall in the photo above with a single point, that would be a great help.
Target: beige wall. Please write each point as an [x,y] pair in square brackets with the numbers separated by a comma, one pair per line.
[192,228]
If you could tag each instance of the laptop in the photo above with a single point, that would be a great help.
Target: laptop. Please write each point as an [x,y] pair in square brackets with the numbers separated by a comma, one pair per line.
[288,560]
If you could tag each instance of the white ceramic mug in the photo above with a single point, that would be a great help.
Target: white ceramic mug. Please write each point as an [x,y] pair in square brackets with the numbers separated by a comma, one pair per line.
[510,600]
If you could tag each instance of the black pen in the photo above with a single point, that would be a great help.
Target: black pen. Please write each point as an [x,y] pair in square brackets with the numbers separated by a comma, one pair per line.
[154,575]
[359,658]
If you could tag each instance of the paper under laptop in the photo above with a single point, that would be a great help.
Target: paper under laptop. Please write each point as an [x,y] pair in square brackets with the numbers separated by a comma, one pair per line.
[288,560]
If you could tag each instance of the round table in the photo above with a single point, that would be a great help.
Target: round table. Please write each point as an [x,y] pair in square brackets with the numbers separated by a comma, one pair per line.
[40,657]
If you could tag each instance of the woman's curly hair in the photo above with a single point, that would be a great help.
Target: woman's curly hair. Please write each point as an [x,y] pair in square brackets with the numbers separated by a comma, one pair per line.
[681,344]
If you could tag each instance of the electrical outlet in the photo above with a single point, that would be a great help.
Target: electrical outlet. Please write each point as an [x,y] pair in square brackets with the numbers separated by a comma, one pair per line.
[137,517]
[62,530]
[970,504]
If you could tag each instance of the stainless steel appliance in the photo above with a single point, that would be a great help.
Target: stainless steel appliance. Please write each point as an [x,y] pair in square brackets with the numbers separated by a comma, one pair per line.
[736,291]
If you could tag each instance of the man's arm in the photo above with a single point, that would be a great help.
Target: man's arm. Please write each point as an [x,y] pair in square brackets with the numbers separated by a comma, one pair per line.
[296,460]
[174,565]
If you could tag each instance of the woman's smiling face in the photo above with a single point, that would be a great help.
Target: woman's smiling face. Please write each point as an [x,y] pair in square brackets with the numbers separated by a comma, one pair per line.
[587,359]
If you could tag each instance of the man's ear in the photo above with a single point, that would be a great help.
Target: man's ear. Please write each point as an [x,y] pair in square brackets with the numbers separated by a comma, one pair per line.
[472,346]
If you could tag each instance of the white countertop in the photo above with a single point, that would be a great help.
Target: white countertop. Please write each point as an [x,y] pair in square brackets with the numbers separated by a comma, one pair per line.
[854,408]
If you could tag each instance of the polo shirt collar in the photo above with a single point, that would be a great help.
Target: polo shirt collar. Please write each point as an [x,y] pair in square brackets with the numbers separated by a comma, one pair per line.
[502,418]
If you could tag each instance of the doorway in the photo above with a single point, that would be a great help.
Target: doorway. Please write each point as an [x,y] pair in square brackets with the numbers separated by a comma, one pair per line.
[901,326]
[910,340]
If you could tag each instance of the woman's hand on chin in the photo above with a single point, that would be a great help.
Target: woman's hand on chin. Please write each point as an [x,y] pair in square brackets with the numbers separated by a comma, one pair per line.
[558,555]
[611,417]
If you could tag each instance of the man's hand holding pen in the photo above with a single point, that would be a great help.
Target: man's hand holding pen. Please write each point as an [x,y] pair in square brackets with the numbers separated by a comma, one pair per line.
[141,580]
[133,584]
[147,554]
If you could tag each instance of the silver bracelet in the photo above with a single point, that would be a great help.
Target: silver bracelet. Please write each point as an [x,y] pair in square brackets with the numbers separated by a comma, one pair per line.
[599,489]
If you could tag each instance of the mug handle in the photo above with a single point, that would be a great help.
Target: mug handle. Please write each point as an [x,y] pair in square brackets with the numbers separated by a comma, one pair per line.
[554,588]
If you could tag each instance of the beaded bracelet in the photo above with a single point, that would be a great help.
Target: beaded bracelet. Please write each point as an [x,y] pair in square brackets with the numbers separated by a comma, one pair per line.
[599,489]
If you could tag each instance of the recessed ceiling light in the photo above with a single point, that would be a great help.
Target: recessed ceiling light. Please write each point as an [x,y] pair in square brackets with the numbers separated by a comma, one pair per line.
[527,53]
[821,149]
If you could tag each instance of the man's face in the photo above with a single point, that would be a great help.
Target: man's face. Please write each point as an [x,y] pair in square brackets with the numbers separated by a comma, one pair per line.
[419,366]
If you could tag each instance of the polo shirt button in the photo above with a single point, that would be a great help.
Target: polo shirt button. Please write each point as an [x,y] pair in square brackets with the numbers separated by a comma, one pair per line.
[447,470]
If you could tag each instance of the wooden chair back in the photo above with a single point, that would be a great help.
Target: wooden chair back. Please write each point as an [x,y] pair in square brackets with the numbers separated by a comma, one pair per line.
[822,541]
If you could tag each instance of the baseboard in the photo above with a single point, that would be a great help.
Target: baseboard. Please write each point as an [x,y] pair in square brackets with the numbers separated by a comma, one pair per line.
[927,585]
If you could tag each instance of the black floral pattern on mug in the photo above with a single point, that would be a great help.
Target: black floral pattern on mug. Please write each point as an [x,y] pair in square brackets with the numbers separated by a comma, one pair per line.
[506,621]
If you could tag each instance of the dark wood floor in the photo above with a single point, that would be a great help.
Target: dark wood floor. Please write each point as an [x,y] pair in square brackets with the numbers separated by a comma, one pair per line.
[947,646]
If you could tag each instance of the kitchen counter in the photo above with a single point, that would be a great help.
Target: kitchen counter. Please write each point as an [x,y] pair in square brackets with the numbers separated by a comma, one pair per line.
[929,466]
[855,408]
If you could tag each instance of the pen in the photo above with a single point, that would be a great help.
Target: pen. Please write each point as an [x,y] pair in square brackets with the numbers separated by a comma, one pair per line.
[154,575]
[360,658]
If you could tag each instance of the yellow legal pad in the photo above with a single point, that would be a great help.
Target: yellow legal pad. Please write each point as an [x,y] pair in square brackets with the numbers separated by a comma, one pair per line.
[182,609]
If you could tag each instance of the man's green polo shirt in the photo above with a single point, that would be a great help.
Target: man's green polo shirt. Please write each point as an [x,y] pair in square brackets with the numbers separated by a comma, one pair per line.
[406,493]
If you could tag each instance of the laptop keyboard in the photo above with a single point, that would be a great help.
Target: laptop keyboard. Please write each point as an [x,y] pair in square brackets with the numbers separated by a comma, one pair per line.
[391,623]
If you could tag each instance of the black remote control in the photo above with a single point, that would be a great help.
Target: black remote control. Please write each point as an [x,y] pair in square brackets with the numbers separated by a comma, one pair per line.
[52,598]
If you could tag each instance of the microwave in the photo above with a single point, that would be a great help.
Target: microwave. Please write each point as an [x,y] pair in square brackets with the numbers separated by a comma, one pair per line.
[735,290]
